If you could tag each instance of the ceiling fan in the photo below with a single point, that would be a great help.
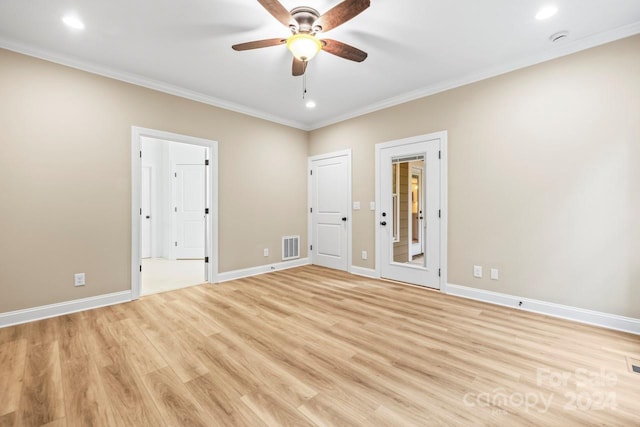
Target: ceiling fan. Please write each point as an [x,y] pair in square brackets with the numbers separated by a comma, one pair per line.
[305,23]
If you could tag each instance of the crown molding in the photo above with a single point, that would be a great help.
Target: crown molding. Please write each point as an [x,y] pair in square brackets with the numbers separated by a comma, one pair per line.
[144,82]
[559,51]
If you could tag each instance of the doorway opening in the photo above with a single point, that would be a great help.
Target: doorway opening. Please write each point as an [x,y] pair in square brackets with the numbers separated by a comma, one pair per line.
[174,211]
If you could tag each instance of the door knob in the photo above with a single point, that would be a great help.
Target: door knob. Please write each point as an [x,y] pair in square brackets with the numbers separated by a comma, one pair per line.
[383,222]
[344,218]
[147,217]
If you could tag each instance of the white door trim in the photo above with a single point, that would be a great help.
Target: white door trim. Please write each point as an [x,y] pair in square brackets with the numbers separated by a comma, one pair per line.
[310,161]
[442,136]
[136,171]
[151,212]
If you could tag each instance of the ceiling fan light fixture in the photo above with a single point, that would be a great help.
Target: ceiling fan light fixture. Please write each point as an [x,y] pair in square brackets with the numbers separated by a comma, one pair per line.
[304,46]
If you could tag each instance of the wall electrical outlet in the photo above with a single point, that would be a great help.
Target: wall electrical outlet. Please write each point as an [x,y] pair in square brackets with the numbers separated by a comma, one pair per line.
[78,279]
[365,255]
[477,271]
[495,274]
[266,251]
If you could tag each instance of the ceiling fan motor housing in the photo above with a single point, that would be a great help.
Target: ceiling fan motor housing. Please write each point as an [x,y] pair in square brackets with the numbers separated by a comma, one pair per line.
[305,17]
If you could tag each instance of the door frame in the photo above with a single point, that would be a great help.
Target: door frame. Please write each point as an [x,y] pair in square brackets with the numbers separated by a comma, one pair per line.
[152,214]
[412,171]
[310,161]
[442,136]
[137,133]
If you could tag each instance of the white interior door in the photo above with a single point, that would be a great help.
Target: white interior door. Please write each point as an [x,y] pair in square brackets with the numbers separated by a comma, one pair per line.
[398,260]
[189,211]
[329,203]
[146,213]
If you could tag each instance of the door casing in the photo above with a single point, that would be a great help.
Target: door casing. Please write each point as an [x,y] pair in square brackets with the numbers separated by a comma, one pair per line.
[442,136]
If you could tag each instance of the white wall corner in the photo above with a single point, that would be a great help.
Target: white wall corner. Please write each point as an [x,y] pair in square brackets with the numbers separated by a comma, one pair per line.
[261,269]
[581,315]
[52,310]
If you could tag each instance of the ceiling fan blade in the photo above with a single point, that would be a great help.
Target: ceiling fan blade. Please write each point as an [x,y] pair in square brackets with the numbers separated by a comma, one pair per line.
[299,67]
[258,44]
[343,50]
[341,13]
[275,8]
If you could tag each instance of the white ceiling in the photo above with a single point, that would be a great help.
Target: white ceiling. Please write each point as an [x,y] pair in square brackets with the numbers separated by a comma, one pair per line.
[415,47]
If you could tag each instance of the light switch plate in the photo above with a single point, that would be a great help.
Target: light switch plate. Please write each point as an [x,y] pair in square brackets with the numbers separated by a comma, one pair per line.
[495,274]
[372,206]
[356,206]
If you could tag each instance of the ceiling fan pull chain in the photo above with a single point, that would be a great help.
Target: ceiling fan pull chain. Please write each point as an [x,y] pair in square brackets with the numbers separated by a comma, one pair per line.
[304,85]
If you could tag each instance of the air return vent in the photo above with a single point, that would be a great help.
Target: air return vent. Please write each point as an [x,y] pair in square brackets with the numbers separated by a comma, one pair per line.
[290,247]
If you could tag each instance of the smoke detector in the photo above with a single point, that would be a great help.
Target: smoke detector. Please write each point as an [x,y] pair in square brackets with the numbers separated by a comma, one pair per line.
[559,36]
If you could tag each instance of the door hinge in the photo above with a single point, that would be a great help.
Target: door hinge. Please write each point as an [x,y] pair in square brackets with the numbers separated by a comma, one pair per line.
[311,210]
[175,209]
[439,213]
[206,211]
[140,269]
[140,211]
[438,272]
[175,244]
[140,153]
[310,172]
[206,162]
[311,247]
[439,154]
[175,174]
[206,259]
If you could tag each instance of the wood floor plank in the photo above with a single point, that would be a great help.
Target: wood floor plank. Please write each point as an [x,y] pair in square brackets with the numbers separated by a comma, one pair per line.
[42,398]
[176,351]
[12,362]
[312,346]
[8,420]
[86,402]
[274,411]
[132,405]
[141,353]
[176,405]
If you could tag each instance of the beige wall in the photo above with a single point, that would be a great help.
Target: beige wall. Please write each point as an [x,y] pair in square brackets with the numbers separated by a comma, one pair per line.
[544,177]
[65,139]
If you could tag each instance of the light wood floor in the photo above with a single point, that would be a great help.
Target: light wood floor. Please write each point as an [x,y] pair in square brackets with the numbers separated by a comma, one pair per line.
[311,346]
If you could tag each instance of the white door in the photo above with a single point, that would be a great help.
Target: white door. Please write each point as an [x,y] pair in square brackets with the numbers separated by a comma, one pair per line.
[397,259]
[189,211]
[329,204]
[146,212]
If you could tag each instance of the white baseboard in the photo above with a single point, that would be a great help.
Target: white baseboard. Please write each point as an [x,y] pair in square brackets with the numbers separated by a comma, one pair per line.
[52,310]
[261,269]
[366,272]
[597,318]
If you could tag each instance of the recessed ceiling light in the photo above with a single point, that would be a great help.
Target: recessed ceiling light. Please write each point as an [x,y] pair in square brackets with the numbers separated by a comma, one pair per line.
[546,12]
[73,22]
[310,104]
